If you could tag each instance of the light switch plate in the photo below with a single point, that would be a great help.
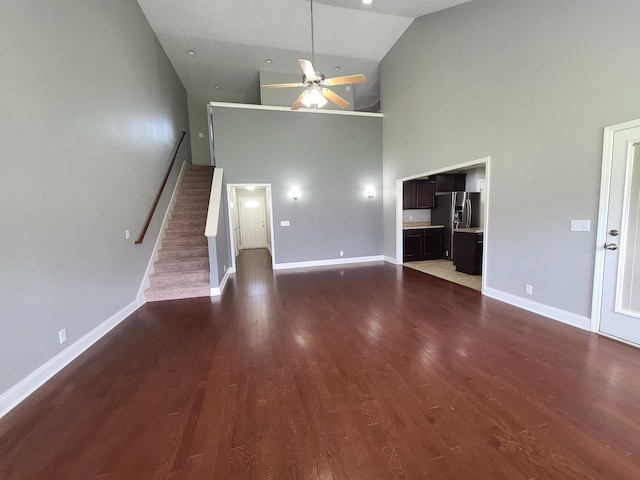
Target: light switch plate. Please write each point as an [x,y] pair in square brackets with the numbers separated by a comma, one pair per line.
[580,225]
[284,223]
[201,135]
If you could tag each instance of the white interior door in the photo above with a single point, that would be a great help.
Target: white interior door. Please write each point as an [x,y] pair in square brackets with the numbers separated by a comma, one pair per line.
[252,222]
[620,312]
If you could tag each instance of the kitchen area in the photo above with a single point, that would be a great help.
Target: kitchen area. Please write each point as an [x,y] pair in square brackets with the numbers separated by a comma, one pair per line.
[442,222]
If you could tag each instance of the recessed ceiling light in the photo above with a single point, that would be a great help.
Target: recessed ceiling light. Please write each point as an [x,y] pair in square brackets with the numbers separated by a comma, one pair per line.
[268,60]
[191,52]
[367,2]
[336,69]
[216,86]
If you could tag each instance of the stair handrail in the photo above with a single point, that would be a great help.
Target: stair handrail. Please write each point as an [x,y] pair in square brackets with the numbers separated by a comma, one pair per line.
[164,183]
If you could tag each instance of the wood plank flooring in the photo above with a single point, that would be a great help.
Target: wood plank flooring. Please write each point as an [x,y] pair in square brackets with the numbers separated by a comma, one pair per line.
[356,372]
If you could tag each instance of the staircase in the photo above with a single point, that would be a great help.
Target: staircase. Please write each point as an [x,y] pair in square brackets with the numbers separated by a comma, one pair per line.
[182,268]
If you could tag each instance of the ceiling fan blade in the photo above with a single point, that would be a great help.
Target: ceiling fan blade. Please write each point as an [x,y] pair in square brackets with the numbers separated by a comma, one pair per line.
[298,104]
[345,80]
[335,98]
[283,85]
[308,70]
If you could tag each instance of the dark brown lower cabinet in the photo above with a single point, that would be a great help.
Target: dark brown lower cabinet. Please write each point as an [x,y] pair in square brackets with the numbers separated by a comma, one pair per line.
[467,252]
[422,244]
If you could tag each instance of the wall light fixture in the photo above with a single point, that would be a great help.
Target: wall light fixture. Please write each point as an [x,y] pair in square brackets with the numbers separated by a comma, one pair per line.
[294,193]
[370,192]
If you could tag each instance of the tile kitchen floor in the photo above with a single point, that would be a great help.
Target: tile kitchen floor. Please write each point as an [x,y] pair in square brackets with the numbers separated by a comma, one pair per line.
[446,270]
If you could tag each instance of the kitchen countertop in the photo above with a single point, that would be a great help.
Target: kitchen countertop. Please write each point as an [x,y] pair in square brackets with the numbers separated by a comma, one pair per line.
[469,230]
[416,225]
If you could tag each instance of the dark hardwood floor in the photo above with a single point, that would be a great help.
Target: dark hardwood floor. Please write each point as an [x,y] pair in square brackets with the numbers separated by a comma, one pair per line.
[357,372]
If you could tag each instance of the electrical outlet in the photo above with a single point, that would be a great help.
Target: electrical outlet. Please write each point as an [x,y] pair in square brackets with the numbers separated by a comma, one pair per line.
[528,289]
[201,135]
[62,336]
[410,217]
[284,223]
[342,253]
[224,268]
[126,234]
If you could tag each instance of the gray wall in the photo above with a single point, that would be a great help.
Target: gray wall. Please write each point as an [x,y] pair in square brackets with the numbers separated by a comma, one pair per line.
[330,158]
[90,110]
[199,123]
[532,84]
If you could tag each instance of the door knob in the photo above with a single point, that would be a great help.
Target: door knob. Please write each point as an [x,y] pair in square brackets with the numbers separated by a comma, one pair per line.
[611,246]
[614,233]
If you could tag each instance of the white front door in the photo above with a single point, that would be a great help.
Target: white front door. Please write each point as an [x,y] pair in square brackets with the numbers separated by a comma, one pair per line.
[620,312]
[252,225]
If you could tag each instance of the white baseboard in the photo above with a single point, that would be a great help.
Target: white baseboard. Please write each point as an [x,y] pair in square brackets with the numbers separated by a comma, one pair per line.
[269,248]
[391,260]
[578,321]
[217,291]
[331,261]
[158,245]
[16,394]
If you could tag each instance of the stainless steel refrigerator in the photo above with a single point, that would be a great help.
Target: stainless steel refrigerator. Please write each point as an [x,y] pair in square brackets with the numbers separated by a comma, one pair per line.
[455,210]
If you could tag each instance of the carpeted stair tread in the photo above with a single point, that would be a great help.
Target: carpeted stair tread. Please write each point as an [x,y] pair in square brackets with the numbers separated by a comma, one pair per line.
[184,242]
[182,253]
[185,264]
[179,277]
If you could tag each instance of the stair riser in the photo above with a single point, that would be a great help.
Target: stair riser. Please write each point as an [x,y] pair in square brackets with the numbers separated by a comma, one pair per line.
[197,176]
[173,243]
[191,208]
[196,181]
[201,196]
[184,232]
[171,279]
[183,253]
[184,216]
[192,202]
[177,295]
[188,223]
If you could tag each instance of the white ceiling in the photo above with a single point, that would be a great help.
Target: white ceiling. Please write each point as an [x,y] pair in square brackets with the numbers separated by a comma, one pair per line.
[232,38]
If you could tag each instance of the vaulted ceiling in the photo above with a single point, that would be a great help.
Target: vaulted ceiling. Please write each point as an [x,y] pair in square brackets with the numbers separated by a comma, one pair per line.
[233,38]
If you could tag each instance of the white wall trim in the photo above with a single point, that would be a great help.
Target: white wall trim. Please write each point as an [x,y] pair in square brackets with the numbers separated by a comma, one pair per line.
[274,108]
[19,392]
[146,282]
[391,260]
[215,203]
[553,313]
[330,261]
[217,291]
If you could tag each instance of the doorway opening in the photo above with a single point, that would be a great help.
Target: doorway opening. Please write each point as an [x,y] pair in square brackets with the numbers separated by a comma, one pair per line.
[442,222]
[250,219]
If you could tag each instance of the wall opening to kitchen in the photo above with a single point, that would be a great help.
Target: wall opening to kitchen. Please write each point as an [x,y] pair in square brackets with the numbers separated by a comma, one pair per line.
[442,222]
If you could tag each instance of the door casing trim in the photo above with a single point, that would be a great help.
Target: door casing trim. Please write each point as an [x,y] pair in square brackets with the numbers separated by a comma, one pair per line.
[603,213]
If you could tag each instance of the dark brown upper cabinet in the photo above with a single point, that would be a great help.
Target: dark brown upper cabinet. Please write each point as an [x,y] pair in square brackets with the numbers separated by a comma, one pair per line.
[418,194]
[451,182]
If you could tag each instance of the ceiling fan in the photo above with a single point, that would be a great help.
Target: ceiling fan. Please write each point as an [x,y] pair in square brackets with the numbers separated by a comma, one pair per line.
[317,92]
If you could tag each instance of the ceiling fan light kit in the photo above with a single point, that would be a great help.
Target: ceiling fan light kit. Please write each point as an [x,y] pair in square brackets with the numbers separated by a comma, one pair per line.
[316,92]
